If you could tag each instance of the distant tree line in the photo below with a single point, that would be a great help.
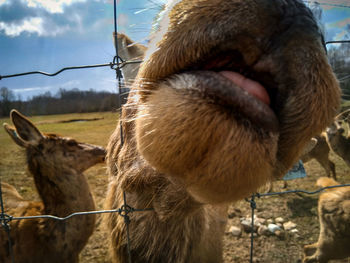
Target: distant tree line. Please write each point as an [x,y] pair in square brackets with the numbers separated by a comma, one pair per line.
[339,58]
[65,101]
[339,54]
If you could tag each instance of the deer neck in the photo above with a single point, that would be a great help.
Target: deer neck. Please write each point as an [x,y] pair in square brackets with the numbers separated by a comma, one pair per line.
[62,190]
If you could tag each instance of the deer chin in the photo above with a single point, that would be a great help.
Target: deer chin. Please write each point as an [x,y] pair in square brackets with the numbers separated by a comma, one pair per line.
[198,125]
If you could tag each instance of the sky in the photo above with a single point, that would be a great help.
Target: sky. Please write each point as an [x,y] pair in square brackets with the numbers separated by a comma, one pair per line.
[47,35]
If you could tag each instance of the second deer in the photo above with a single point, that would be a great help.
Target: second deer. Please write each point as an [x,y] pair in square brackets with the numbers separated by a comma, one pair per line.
[57,164]
[321,154]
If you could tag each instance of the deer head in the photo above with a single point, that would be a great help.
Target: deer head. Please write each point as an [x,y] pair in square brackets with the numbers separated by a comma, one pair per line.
[54,150]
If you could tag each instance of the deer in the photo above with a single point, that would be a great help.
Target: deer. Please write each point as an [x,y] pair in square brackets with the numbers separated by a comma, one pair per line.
[227,97]
[330,139]
[321,154]
[333,138]
[317,149]
[334,217]
[56,164]
[339,142]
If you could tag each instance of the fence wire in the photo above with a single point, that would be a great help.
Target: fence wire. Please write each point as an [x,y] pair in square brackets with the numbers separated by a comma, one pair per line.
[117,64]
[113,65]
[125,209]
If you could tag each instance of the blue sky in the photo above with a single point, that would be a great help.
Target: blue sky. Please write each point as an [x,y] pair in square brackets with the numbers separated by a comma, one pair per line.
[47,35]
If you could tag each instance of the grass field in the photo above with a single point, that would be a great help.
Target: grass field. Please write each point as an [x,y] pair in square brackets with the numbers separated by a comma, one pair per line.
[301,209]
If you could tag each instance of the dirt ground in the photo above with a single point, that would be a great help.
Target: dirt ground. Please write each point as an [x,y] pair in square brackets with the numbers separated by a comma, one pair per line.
[299,208]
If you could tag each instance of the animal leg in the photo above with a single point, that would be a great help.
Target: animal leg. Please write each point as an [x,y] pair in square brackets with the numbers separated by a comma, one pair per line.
[310,249]
[312,253]
[332,167]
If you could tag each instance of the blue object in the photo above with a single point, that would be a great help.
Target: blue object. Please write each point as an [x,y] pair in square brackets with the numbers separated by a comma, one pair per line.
[297,171]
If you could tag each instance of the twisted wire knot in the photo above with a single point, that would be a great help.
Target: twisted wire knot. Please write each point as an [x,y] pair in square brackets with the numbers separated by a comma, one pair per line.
[5,219]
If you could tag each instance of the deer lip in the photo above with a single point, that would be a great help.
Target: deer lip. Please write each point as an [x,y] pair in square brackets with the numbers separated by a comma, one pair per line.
[247,108]
[258,77]
[255,93]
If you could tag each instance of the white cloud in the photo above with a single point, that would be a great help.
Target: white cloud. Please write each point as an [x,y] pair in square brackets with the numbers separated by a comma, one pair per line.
[100,84]
[52,6]
[26,93]
[32,25]
[43,88]
[2,2]
[54,87]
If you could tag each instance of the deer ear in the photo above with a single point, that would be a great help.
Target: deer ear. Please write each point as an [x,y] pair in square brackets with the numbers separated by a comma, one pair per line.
[13,134]
[122,41]
[25,129]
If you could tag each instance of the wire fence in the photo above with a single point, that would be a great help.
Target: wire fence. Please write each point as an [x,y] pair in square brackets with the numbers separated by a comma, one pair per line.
[117,64]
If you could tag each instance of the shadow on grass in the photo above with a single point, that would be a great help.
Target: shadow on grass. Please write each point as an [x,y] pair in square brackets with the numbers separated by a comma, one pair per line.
[301,205]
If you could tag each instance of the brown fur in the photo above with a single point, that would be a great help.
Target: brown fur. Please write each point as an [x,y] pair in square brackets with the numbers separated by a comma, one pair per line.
[334,217]
[128,50]
[193,141]
[56,164]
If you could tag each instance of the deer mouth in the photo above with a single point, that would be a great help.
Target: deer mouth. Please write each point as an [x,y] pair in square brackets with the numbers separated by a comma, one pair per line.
[248,92]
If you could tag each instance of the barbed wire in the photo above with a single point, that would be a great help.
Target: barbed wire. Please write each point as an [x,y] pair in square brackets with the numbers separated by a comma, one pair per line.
[337,42]
[128,209]
[112,65]
[123,210]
